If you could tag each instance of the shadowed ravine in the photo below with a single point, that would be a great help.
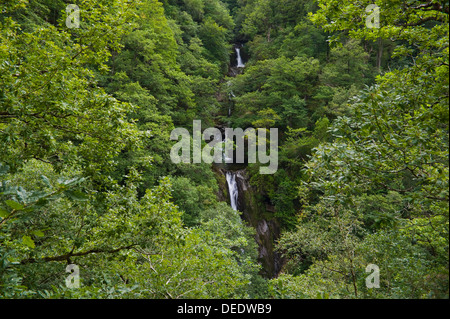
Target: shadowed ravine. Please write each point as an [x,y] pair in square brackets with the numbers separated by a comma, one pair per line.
[243,198]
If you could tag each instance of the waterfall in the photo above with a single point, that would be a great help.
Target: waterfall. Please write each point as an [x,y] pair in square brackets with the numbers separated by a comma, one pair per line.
[226,159]
[233,72]
[240,64]
[229,107]
[233,189]
[242,199]
[245,199]
[231,96]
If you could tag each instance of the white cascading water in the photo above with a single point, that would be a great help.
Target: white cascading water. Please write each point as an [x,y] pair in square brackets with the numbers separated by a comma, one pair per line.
[226,159]
[232,95]
[233,189]
[240,64]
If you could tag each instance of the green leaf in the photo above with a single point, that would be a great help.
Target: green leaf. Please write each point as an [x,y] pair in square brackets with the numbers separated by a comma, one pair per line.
[38,233]
[73,181]
[22,194]
[3,213]
[46,181]
[77,196]
[28,241]
[14,205]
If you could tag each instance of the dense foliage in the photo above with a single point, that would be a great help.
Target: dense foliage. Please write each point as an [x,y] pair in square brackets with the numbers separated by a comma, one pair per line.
[86,177]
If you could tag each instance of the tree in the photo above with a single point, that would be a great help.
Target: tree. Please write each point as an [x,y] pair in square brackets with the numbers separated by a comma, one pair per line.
[51,108]
[393,146]
[347,66]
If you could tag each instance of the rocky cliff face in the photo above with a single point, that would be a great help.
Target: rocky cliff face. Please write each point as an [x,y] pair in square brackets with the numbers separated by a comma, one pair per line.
[257,216]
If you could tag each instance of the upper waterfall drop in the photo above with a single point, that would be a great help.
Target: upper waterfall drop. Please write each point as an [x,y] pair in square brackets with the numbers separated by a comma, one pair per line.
[240,64]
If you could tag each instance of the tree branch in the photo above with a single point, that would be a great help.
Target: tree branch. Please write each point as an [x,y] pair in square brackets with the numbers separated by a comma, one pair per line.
[421,21]
[71,254]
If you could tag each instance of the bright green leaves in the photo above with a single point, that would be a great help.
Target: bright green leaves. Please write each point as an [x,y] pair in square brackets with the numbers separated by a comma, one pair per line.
[12,5]
[206,259]
[50,106]
[16,202]
[27,241]
[14,205]
[378,192]
[38,233]
[3,213]
[390,145]
[102,25]
[57,124]
[400,21]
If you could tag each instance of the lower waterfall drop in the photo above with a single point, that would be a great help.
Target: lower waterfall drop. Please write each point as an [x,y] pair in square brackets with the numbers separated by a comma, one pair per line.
[240,64]
[233,189]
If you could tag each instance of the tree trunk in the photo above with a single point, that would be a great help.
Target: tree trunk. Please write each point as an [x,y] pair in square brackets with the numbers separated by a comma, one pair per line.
[380,54]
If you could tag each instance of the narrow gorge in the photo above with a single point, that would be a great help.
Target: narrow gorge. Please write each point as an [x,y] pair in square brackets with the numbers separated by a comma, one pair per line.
[235,188]
[243,198]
